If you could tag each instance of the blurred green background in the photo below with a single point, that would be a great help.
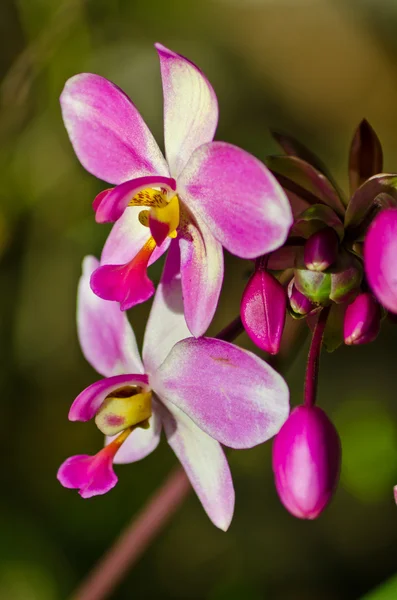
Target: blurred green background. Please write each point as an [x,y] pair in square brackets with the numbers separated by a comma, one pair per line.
[313,68]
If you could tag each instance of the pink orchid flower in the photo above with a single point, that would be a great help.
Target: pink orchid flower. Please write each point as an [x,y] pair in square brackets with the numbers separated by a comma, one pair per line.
[380,249]
[204,392]
[206,194]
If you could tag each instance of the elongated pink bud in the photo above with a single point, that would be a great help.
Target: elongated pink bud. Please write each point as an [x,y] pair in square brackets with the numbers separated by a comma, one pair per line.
[263,309]
[321,249]
[306,462]
[362,320]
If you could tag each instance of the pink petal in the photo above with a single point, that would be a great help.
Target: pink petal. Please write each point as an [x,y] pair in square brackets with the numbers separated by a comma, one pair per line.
[166,325]
[140,443]
[87,403]
[109,136]
[236,195]
[190,108]
[127,284]
[380,258]
[127,237]
[205,464]
[230,393]
[92,475]
[106,337]
[110,206]
[202,275]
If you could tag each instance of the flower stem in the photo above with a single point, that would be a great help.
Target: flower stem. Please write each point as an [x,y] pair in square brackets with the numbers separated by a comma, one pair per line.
[134,540]
[313,359]
[146,525]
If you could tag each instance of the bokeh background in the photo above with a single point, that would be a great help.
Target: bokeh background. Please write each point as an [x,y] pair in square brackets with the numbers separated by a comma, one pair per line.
[313,68]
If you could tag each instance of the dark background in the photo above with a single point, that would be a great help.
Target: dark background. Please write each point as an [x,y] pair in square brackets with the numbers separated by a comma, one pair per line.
[313,68]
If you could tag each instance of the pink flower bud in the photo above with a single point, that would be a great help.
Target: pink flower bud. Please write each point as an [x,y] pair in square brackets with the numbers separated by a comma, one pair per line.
[263,309]
[362,320]
[321,249]
[306,462]
[298,301]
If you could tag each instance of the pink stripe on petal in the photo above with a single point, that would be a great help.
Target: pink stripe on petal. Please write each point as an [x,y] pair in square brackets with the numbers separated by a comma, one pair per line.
[92,475]
[113,204]
[106,337]
[88,402]
[108,134]
[166,324]
[190,108]
[202,275]
[380,258]
[244,206]
[205,464]
[230,393]
[126,239]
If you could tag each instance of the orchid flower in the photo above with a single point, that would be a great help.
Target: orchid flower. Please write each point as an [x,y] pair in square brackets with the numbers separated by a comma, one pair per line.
[204,392]
[206,194]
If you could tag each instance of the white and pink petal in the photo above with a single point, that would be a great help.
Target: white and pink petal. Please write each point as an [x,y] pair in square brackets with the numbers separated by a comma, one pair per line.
[230,393]
[166,324]
[238,198]
[190,108]
[205,464]
[106,337]
[201,274]
[108,134]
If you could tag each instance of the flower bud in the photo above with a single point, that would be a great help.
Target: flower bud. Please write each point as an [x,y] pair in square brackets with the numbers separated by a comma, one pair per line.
[298,302]
[263,309]
[315,285]
[306,462]
[362,320]
[321,249]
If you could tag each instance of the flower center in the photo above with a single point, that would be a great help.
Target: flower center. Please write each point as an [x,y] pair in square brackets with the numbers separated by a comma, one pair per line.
[162,217]
[128,407]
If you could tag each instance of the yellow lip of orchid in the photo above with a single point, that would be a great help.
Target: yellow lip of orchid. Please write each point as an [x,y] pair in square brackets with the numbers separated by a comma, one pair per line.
[162,216]
[128,408]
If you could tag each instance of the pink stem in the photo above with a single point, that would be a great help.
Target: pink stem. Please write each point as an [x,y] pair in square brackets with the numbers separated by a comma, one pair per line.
[134,540]
[313,359]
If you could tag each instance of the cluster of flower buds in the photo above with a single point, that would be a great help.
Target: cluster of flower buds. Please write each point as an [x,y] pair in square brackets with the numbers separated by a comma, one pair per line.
[339,260]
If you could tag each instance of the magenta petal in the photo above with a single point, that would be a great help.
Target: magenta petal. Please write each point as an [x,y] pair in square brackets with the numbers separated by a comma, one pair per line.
[112,205]
[380,258]
[166,324]
[306,462]
[239,199]
[87,403]
[126,239]
[230,393]
[92,475]
[109,136]
[263,310]
[205,464]
[122,284]
[202,275]
[106,337]
[190,108]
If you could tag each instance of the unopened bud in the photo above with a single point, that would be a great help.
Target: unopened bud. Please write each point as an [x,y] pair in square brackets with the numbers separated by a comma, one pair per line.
[263,310]
[321,249]
[306,462]
[298,301]
[362,320]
